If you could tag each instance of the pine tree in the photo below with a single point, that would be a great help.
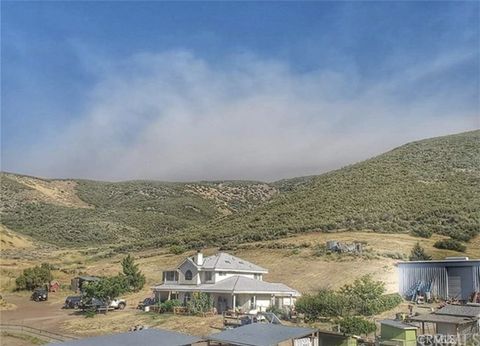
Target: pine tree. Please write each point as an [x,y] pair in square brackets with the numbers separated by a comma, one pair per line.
[418,254]
[134,277]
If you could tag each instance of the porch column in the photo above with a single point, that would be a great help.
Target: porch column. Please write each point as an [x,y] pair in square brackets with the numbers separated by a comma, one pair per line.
[291,300]
[234,301]
[254,302]
[169,295]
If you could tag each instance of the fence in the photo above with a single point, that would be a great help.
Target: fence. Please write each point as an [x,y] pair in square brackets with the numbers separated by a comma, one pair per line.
[35,332]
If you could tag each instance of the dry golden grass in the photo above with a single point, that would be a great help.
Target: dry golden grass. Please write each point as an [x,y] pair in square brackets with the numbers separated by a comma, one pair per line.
[59,192]
[122,321]
[300,270]
[10,240]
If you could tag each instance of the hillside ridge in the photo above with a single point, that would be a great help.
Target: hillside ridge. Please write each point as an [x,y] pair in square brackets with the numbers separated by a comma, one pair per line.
[431,184]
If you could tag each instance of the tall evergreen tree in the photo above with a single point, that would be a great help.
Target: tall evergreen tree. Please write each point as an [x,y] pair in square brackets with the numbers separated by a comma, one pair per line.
[134,277]
[418,254]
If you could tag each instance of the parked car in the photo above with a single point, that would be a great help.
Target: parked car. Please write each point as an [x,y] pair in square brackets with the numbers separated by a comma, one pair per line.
[72,302]
[118,304]
[39,294]
[97,304]
[146,302]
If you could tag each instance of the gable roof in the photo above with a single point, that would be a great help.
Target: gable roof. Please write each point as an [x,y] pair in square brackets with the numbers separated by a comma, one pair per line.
[233,284]
[260,334]
[225,261]
[145,337]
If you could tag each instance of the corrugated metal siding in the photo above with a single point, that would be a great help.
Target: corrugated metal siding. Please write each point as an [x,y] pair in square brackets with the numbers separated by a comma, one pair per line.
[411,275]
[476,278]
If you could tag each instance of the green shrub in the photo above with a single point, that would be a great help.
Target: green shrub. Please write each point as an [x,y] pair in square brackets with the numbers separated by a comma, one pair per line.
[364,297]
[422,232]
[177,249]
[32,278]
[168,305]
[199,303]
[354,325]
[450,244]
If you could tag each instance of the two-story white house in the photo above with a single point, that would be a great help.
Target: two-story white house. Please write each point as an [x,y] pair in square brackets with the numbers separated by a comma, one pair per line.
[231,281]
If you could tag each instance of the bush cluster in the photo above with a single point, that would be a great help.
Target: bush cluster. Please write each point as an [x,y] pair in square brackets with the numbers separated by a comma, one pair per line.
[365,297]
[35,277]
[450,244]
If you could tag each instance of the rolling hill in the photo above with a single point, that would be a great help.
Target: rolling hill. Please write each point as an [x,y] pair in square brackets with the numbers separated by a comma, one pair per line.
[79,212]
[428,185]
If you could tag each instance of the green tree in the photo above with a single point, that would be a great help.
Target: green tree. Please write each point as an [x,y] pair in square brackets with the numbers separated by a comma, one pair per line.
[354,325]
[106,289]
[32,278]
[135,279]
[418,254]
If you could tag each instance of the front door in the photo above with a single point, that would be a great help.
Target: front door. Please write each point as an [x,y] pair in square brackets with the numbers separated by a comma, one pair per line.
[221,304]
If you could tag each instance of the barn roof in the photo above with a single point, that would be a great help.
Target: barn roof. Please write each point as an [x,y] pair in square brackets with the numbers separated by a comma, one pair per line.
[145,337]
[259,334]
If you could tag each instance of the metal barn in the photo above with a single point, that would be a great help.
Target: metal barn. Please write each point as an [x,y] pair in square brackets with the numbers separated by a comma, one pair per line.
[452,278]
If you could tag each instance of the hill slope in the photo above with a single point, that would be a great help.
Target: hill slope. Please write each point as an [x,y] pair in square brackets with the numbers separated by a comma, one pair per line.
[432,184]
[75,213]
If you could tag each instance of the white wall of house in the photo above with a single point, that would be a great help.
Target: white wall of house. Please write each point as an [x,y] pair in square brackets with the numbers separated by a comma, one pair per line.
[184,267]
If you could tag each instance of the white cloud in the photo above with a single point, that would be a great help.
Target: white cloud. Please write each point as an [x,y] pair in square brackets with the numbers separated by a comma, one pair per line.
[173,116]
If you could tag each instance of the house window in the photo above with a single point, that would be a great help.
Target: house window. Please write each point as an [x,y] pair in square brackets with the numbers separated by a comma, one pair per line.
[187,297]
[208,276]
[188,275]
[222,273]
[170,276]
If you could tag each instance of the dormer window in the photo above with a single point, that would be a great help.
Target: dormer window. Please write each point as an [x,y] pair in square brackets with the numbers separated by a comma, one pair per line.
[208,276]
[188,275]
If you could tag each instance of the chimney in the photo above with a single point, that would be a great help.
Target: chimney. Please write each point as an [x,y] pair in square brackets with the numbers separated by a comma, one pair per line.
[199,258]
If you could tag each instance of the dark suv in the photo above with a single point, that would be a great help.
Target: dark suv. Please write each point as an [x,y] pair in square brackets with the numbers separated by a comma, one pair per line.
[40,294]
[72,302]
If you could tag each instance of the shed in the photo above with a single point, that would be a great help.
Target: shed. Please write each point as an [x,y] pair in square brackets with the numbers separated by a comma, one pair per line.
[335,339]
[393,332]
[452,278]
[77,282]
[54,286]
[461,320]
[145,337]
[259,334]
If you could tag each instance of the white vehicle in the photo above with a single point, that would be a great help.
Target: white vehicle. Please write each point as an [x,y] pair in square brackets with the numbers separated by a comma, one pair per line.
[118,304]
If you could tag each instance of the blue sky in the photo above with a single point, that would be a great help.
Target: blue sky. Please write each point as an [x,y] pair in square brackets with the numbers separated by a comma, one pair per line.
[320,85]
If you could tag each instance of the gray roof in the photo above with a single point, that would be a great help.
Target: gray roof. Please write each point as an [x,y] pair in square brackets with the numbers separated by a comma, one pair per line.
[435,318]
[460,310]
[397,324]
[145,337]
[225,261]
[260,334]
[233,284]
